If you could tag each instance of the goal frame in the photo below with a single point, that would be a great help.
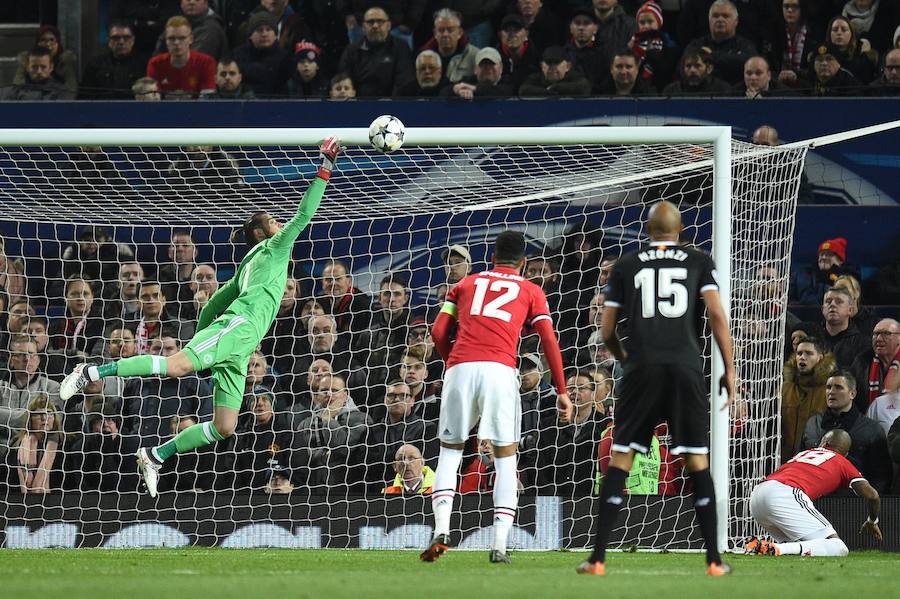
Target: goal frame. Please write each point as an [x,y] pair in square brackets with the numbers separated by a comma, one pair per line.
[718,136]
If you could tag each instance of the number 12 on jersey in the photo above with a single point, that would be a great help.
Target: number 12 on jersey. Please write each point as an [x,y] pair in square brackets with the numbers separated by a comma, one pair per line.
[661,291]
[494,308]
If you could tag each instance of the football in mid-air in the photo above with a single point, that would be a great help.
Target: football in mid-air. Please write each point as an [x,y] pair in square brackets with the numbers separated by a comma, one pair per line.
[386,133]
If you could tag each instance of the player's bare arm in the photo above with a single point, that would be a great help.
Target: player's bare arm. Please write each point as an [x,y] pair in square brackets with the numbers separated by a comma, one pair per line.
[718,322]
[868,492]
[608,330]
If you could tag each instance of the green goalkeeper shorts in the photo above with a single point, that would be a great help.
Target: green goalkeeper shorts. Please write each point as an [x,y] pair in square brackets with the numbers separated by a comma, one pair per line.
[225,347]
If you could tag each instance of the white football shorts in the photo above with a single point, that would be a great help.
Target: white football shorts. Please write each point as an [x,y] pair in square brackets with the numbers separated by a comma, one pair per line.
[787,513]
[488,391]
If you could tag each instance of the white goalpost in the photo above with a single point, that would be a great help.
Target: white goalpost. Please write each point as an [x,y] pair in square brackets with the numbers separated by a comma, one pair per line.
[384,213]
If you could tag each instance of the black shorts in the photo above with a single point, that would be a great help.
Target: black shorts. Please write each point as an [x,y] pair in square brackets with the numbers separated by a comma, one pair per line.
[653,393]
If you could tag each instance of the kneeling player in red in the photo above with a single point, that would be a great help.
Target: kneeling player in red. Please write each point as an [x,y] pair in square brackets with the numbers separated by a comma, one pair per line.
[783,503]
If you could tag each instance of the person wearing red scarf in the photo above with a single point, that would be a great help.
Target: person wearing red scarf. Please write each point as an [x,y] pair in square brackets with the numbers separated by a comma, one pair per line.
[875,370]
[81,328]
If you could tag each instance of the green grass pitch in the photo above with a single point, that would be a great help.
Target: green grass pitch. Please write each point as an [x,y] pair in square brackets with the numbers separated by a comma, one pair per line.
[333,574]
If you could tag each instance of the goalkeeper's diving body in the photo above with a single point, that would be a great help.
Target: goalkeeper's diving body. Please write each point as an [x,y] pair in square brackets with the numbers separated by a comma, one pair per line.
[229,327]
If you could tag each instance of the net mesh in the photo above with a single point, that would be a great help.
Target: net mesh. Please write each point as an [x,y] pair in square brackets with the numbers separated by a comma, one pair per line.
[112,215]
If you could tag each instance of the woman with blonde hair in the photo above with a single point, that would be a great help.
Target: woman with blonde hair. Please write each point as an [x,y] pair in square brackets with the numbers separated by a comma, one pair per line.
[37,448]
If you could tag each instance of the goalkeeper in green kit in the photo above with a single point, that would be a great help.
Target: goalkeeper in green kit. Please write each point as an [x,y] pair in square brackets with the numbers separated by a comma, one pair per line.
[229,328]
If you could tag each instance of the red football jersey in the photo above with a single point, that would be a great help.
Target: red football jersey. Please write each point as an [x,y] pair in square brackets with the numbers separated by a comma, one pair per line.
[817,472]
[491,309]
[197,75]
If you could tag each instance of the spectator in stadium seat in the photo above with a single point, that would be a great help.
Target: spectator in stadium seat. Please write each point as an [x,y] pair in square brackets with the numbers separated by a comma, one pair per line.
[544,27]
[63,62]
[803,392]
[478,475]
[755,20]
[395,425]
[290,26]
[541,270]
[656,52]
[868,450]
[520,56]
[794,33]
[341,87]
[287,337]
[352,309]
[414,372]
[259,374]
[889,82]
[568,451]
[301,408]
[810,284]
[419,334]
[38,83]
[24,382]
[18,316]
[307,81]
[81,328]
[146,89]
[121,343]
[615,27]
[587,52]
[110,75]
[266,447]
[696,77]
[203,286]
[758,82]
[155,317]
[120,299]
[450,41]
[207,27]
[538,402]
[457,263]
[829,77]
[148,19]
[487,82]
[327,343]
[557,78]
[872,21]
[181,68]
[332,443]
[36,454]
[413,477]
[861,315]
[766,135]
[855,55]
[175,274]
[108,462]
[265,65]
[229,83]
[428,82]
[149,404]
[385,338]
[841,335]
[201,170]
[12,275]
[872,368]
[625,79]
[728,51]
[379,63]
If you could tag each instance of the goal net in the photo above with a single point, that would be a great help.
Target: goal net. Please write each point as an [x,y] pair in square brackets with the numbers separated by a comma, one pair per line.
[91,226]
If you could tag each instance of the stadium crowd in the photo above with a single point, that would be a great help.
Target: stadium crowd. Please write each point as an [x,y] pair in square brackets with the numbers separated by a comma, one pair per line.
[343,394]
[240,49]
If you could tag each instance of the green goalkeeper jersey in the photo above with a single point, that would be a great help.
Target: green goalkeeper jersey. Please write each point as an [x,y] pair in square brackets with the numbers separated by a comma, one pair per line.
[257,286]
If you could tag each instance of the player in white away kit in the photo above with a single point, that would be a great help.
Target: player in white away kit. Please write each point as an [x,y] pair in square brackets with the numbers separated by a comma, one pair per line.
[481,385]
[783,503]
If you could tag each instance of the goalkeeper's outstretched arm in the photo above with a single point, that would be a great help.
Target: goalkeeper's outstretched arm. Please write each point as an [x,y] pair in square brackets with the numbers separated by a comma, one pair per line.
[328,153]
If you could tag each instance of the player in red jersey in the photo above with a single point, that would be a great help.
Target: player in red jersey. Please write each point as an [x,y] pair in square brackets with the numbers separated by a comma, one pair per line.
[481,384]
[783,503]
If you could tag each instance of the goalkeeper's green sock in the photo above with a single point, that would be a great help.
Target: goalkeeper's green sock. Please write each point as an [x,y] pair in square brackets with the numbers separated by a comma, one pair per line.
[190,438]
[133,366]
